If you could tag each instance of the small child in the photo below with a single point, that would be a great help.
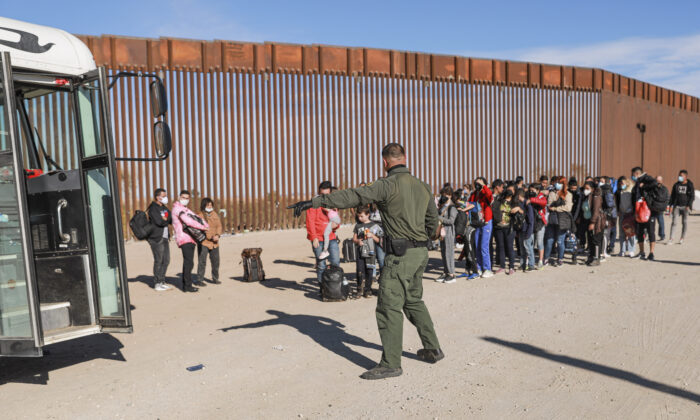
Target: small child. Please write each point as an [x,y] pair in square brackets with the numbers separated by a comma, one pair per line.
[333,222]
[366,236]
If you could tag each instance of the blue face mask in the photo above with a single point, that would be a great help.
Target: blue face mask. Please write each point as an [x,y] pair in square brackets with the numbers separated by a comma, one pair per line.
[558,186]
[634,178]
[624,186]
[680,179]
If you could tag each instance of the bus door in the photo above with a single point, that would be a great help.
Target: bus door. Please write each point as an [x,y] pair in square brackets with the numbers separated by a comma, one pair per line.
[98,172]
[20,326]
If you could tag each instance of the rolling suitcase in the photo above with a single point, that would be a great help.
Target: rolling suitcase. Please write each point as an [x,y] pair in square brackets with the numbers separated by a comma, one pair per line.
[349,251]
[334,286]
[252,265]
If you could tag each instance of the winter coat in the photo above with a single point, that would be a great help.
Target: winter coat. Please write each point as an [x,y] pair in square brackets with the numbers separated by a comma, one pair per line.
[316,222]
[598,217]
[160,218]
[180,211]
[484,197]
[215,228]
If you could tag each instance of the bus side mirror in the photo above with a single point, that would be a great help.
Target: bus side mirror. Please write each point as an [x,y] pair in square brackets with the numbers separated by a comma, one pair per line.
[162,139]
[159,101]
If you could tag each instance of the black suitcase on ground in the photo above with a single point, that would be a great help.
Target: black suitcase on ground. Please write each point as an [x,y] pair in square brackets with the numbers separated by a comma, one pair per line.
[252,265]
[349,251]
[334,286]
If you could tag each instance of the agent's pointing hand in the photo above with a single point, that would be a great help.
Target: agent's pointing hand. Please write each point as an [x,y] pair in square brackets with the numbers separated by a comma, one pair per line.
[300,207]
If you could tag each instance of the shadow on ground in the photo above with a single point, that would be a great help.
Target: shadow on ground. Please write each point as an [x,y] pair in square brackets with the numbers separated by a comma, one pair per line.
[58,356]
[328,333]
[597,368]
[148,280]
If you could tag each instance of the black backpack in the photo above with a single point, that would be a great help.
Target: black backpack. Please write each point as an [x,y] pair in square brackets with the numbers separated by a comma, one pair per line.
[658,198]
[517,221]
[140,226]
[461,223]
[334,286]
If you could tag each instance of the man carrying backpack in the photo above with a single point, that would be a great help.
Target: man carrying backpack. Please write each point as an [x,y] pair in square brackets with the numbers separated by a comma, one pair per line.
[645,188]
[682,198]
[158,239]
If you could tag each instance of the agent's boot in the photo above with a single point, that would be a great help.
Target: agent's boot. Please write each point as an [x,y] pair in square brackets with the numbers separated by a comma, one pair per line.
[381,372]
[430,356]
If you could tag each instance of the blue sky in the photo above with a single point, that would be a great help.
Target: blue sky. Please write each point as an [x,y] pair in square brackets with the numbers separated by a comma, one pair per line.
[653,41]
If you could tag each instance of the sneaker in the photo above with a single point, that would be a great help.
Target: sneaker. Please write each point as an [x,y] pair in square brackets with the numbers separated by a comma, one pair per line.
[650,257]
[159,287]
[473,276]
[487,274]
[165,286]
[190,289]
[593,263]
[381,372]
[641,255]
[680,242]
[510,271]
[530,269]
[324,255]
[559,263]
[669,242]
[450,279]
[430,356]
[199,283]
[499,271]
[540,265]
[441,279]
[621,254]
[462,275]
[630,254]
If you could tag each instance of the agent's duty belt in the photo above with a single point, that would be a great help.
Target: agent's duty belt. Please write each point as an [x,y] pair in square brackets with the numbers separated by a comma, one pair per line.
[398,246]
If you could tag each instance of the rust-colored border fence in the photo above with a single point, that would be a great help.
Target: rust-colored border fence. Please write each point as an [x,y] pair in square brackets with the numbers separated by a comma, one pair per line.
[258,126]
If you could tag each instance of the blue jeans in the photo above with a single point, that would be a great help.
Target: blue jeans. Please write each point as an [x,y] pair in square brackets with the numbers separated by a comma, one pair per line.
[334,258]
[482,237]
[551,233]
[662,228]
[380,257]
[527,250]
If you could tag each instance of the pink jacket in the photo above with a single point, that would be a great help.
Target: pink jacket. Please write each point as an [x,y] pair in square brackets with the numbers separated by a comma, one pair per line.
[180,236]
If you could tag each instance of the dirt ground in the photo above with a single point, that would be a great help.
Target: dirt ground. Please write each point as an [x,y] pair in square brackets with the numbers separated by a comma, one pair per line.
[618,341]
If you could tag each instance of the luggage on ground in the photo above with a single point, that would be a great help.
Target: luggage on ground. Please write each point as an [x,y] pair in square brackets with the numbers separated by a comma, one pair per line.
[334,286]
[252,265]
[349,251]
[140,225]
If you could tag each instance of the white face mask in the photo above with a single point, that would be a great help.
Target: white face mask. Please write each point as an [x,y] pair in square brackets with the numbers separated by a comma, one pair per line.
[209,209]
[163,200]
[681,179]
[586,192]
[558,186]
[184,202]
[601,183]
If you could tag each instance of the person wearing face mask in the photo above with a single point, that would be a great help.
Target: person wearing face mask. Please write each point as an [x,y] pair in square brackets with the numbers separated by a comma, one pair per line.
[644,185]
[160,218]
[183,216]
[592,213]
[682,197]
[209,246]
[559,202]
[610,210]
[625,209]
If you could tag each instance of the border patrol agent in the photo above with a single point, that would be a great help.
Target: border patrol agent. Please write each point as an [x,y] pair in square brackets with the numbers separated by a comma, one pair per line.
[408,213]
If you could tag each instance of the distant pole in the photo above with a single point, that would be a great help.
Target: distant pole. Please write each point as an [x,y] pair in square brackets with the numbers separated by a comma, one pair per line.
[642,128]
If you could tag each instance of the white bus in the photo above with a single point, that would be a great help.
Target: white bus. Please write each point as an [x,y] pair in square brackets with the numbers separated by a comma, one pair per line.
[62,268]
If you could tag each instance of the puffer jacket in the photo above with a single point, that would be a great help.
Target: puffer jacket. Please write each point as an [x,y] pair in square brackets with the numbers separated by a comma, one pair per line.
[181,237]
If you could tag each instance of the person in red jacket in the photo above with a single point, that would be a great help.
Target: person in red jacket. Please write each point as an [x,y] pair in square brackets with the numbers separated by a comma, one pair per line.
[316,222]
[538,199]
[482,236]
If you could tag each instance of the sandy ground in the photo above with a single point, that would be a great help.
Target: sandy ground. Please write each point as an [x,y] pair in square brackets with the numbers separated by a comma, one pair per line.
[618,341]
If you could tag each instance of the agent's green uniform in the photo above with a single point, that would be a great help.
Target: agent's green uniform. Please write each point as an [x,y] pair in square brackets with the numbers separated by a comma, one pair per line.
[407,208]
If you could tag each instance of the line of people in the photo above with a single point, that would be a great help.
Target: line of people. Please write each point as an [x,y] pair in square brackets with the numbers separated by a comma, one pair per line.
[185,223]
[509,223]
